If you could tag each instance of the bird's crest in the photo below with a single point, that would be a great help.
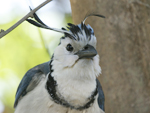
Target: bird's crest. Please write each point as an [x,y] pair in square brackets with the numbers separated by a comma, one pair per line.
[74,30]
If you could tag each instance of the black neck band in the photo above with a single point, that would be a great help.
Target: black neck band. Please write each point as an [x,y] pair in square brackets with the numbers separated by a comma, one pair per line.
[51,88]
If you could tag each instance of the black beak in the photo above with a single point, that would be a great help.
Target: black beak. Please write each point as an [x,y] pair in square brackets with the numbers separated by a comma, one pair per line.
[88,52]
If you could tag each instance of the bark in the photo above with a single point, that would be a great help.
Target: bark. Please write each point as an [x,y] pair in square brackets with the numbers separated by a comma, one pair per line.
[124,48]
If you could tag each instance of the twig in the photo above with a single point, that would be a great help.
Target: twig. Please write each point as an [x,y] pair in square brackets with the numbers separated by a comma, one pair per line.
[30,14]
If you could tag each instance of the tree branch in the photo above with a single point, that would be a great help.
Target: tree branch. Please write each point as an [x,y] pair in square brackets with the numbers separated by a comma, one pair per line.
[30,14]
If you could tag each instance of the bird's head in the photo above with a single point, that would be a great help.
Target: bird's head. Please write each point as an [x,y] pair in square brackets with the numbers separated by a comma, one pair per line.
[77,49]
[78,45]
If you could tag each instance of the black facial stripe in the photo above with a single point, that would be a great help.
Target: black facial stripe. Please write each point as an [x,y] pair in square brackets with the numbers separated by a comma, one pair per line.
[62,37]
[70,36]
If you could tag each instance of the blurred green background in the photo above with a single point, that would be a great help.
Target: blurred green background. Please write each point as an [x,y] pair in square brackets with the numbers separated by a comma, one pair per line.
[26,46]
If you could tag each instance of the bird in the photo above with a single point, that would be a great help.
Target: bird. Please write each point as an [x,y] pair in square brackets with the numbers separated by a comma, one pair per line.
[68,82]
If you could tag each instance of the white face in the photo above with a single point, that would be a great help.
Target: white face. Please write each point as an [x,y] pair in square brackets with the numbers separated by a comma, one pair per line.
[68,57]
[62,55]
[65,59]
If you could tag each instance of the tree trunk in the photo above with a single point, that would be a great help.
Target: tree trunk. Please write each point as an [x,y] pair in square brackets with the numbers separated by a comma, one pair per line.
[124,48]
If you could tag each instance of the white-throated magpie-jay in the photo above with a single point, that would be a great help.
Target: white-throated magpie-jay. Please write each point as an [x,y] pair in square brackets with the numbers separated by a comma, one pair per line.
[67,83]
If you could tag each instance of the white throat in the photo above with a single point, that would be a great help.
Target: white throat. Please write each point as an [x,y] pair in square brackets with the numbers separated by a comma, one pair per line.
[76,83]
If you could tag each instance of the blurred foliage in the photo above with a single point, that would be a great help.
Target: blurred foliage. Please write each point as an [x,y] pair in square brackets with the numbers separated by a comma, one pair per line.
[20,50]
[18,53]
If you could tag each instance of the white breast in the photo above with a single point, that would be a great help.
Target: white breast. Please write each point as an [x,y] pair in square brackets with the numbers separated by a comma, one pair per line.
[39,101]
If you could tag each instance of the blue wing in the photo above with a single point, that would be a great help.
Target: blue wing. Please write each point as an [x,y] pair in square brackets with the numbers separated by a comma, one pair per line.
[101,98]
[35,75]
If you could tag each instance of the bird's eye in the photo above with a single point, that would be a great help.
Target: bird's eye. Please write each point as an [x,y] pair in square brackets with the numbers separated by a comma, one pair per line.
[69,47]
[86,47]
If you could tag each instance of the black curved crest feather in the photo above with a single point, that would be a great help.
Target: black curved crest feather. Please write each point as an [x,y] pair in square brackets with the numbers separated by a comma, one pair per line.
[73,28]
